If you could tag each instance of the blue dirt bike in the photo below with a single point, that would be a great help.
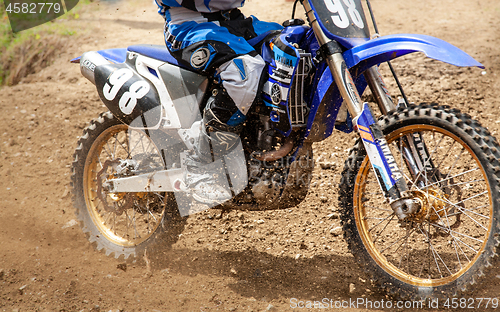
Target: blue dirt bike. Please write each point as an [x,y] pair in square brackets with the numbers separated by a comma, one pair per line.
[420,189]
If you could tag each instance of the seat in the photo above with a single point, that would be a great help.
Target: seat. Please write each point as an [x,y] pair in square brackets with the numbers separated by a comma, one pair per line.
[158,52]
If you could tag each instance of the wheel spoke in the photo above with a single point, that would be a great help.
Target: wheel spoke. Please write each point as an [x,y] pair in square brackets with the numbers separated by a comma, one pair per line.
[107,219]
[404,237]
[378,208]
[135,146]
[455,162]
[450,231]
[473,212]
[466,182]
[114,144]
[435,253]
[469,209]
[452,177]
[430,157]
[446,156]
[463,210]
[110,153]
[380,233]
[458,245]
[392,216]
[126,149]
[152,216]
[127,219]
[136,233]
[405,254]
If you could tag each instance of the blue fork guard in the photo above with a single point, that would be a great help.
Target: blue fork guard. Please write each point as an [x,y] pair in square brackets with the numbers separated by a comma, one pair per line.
[386,48]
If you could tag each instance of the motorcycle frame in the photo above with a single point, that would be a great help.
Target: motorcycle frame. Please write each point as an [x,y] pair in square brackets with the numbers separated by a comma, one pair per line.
[358,57]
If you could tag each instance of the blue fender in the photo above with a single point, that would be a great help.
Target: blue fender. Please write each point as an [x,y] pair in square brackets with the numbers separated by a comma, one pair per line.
[382,49]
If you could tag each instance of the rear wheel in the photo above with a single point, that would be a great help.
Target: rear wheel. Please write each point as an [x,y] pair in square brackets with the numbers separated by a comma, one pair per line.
[123,224]
[453,240]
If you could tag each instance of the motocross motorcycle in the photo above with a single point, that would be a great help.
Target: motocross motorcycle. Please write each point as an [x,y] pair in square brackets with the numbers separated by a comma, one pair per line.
[419,194]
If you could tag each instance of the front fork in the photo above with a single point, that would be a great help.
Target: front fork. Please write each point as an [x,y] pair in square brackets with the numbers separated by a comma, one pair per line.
[413,147]
[389,176]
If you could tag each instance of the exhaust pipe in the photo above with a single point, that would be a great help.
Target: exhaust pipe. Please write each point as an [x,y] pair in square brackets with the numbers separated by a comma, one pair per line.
[89,61]
[275,154]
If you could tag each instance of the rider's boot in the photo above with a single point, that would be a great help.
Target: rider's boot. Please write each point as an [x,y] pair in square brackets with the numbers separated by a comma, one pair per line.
[205,181]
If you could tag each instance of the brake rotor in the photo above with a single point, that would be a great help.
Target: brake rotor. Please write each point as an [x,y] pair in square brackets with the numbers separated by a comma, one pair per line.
[437,201]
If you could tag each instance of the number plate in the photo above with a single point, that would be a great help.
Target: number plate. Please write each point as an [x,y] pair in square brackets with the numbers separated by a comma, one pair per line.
[342,18]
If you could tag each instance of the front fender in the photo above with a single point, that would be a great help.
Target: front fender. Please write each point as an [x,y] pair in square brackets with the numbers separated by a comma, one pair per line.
[386,48]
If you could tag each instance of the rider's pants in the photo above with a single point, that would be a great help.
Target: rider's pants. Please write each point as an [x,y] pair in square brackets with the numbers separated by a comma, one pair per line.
[216,43]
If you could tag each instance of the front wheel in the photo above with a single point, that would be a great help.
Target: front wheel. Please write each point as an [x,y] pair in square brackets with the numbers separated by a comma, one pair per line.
[453,240]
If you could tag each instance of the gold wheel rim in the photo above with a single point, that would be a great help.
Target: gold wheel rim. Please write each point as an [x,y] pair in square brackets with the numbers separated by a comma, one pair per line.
[362,210]
[132,226]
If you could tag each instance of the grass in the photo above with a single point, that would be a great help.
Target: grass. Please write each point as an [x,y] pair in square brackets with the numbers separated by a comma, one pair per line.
[30,50]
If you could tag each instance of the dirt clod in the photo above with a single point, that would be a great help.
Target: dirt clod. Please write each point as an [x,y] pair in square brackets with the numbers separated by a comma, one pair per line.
[352,288]
[336,231]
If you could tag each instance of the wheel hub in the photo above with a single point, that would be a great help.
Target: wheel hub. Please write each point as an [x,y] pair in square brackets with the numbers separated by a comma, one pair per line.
[433,205]
[121,201]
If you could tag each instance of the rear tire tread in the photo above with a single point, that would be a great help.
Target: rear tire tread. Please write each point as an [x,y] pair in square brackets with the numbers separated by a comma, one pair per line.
[162,234]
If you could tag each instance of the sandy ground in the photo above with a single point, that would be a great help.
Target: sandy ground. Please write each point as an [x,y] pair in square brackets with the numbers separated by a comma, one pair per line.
[231,263]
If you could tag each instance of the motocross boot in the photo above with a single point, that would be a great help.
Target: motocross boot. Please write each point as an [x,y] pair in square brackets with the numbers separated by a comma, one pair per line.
[206,182]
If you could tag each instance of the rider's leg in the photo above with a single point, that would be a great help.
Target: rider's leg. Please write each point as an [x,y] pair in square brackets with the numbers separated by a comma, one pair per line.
[209,48]
[223,117]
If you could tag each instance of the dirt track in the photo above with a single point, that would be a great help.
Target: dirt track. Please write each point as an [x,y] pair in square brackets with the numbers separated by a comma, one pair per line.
[233,263]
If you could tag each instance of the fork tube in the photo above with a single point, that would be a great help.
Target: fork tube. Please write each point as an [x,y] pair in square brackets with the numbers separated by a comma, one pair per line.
[379,90]
[337,65]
